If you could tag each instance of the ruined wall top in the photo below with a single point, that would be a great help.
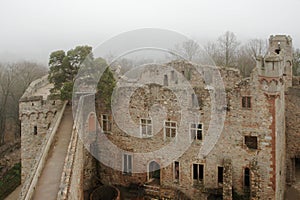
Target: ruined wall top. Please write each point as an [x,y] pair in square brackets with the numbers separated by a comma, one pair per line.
[176,71]
[37,90]
[278,60]
[278,43]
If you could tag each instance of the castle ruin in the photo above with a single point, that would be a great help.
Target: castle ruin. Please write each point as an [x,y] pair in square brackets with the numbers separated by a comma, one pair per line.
[256,155]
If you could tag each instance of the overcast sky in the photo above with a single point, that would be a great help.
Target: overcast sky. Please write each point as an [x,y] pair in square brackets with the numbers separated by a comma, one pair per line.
[32,29]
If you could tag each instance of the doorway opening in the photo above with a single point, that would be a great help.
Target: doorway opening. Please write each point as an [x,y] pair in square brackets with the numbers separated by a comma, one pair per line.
[154,173]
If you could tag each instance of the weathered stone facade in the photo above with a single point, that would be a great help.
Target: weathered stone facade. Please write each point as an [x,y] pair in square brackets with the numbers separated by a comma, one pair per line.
[264,121]
[292,111]
[37,115]
[254,155]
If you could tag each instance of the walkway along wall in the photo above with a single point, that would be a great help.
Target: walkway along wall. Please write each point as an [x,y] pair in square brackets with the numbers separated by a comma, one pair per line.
[32,177]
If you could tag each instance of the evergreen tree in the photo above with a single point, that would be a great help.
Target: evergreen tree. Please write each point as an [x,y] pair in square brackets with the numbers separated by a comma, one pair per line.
[64,68]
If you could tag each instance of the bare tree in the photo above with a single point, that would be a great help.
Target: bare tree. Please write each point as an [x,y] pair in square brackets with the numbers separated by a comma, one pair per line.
[6,84]
[25,73]
[247,53]
[228,46]
[189,49]
[245,62]
[228,52]
[224,50]
[14,79]
[213,51]
[256,47]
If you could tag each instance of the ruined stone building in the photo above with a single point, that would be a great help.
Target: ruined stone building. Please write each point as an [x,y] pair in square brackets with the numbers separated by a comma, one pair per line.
[255,155]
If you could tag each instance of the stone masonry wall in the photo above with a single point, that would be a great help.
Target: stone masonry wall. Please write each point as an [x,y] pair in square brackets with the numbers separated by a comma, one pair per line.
[292,131]
[280,146]
[36,114]
[239,123]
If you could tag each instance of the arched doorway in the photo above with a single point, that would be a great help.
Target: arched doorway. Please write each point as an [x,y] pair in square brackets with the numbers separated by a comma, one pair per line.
[154,172]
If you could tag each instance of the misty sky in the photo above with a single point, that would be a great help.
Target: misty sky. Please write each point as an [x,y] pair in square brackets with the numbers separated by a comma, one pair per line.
[32,29]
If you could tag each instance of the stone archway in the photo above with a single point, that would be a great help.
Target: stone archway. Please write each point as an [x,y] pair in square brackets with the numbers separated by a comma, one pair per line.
[154,172]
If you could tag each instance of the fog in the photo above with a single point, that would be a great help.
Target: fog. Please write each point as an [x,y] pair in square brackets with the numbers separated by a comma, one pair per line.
[32,29]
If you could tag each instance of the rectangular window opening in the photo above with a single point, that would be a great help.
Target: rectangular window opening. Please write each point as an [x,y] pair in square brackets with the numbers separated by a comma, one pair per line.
[251,142]
[170,129]
[127,164]
[246,102]
[106,123]
[35,130]
[196,131]
[220,174]
[146,127]
[176,170]
[198,172]
[247,177]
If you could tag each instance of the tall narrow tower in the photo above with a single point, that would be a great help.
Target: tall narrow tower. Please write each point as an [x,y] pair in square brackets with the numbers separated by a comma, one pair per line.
[275,76]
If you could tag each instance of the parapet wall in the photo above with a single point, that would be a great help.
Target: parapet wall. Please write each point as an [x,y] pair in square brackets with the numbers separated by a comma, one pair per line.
[71,185]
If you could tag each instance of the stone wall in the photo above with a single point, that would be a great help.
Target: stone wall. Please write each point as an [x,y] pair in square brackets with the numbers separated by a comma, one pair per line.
[79,173]
[76,182]
[282,45]
[36,163]
[292,131]
[239,122]
[37,119]
[36,113]
[227,176]
[71,180]
[40,117]
[280,134]
[272,116]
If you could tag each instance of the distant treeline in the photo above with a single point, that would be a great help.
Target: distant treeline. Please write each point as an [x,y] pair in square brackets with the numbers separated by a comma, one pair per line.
[14,79]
